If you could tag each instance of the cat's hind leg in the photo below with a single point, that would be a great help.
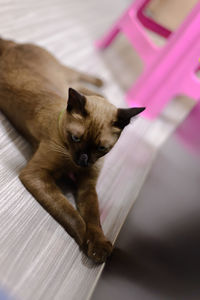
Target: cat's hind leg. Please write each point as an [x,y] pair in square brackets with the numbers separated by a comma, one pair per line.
[75,75]
[85,91]
[90,79]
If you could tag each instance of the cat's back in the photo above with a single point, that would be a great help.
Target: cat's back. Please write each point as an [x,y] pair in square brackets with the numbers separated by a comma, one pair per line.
[27,66]
[26,82]
[26,70]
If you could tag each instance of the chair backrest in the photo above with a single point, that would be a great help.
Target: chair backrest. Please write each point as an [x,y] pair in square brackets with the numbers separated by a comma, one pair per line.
[151,24]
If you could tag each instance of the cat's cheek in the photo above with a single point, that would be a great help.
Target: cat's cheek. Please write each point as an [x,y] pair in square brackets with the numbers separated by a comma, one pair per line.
[92,158]
[72,151]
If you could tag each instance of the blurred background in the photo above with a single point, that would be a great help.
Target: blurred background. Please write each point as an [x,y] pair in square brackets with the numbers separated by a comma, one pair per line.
[157,251]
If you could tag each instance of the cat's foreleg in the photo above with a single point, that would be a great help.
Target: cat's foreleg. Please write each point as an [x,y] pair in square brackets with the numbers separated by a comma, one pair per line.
[42,186]
[96,245]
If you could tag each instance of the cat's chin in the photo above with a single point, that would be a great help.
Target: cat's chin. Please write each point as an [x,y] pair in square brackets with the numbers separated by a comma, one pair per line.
[84,166]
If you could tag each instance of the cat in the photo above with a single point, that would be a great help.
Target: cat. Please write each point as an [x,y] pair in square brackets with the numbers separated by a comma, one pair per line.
[70,128]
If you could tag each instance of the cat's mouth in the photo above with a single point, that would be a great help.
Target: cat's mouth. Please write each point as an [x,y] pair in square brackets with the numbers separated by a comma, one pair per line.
[82,165]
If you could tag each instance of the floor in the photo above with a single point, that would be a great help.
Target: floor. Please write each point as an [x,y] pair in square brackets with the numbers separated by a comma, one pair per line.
[157,251]
[38,260]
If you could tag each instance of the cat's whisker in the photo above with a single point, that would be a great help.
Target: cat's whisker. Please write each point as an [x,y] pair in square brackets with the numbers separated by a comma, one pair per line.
[59,149]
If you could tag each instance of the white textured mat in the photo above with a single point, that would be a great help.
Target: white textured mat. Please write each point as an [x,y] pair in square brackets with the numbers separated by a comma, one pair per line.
[38,260]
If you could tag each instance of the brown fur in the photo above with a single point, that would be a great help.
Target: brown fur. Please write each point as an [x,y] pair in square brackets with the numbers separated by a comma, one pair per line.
[33,92]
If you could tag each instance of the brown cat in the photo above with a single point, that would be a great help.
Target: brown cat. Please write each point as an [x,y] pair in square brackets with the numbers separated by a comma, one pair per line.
[69,136]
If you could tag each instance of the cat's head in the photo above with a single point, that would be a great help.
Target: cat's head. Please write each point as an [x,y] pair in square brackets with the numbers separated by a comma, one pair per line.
[93,126]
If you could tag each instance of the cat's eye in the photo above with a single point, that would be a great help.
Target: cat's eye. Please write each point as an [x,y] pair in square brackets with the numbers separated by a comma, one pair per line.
[101,148]
[75,138]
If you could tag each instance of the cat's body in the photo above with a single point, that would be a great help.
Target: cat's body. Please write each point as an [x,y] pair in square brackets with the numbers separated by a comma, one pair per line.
[33,95]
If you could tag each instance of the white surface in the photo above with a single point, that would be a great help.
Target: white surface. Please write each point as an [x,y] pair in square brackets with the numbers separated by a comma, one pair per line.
[38,260]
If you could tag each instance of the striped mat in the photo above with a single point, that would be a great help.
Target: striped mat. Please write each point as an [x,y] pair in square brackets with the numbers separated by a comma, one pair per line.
[38,260]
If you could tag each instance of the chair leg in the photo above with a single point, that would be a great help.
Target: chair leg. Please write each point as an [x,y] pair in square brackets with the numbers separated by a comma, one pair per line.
[151,96]
[134,101]
[191,87]
[188,131]
[106,40]
[140,41]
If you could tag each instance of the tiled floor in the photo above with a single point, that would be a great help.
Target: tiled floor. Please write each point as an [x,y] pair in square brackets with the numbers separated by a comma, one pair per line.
[157,255]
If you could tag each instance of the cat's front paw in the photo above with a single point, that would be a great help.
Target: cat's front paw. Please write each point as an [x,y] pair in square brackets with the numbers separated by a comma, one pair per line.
[99,250]
[97,247]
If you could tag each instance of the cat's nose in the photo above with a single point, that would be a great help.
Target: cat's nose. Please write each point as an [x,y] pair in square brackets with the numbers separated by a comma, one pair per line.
[83,160]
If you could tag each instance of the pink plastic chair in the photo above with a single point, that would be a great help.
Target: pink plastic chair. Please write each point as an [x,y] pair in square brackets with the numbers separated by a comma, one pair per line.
[169,70]
[188,131]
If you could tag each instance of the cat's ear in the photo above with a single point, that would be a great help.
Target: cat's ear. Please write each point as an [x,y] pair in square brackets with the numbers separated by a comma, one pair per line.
[124,115]
[76,102]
